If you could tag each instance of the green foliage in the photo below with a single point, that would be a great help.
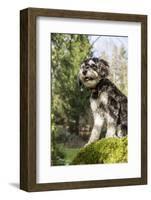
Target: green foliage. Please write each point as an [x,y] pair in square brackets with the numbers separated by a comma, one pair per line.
[64,155]
[68,51]
[105,151]
[67,102]
[56,154]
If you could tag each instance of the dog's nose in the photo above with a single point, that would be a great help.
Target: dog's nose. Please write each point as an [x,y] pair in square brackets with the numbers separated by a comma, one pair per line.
[84,72]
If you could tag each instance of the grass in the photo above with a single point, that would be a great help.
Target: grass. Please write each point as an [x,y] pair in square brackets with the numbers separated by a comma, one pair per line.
[68,154]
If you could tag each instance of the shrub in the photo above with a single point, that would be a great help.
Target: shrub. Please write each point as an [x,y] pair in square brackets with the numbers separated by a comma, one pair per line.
[106,150]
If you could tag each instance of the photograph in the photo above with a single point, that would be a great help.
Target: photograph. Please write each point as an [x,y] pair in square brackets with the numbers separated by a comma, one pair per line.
[83,99]
[89,99]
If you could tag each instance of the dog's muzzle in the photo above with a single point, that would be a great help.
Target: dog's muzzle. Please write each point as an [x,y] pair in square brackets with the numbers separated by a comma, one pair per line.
[89,77]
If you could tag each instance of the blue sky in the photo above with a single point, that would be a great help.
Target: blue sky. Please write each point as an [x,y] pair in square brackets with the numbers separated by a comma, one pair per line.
[107,43]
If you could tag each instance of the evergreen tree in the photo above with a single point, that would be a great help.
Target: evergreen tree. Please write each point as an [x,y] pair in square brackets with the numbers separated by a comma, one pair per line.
[68,51]
[67,103]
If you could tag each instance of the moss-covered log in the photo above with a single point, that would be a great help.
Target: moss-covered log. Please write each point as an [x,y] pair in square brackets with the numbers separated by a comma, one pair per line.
[106,150]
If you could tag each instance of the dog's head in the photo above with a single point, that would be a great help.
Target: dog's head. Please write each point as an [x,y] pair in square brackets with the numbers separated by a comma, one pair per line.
[92,71]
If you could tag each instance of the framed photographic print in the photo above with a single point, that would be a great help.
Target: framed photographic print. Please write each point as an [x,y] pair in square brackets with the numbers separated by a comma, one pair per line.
[83,99]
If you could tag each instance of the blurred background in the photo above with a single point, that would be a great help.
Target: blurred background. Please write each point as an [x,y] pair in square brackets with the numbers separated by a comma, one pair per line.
[71,117]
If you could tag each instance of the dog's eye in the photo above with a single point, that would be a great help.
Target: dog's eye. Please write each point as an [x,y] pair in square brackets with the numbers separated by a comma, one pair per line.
[87,67]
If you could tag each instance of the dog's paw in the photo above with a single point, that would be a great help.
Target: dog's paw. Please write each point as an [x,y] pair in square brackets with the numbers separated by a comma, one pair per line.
[110,136]
[87,144]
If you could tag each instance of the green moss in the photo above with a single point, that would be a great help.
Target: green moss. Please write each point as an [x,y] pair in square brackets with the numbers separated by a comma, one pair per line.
[106,150]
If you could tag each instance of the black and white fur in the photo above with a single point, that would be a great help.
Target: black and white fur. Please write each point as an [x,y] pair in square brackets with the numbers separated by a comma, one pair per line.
[108,103]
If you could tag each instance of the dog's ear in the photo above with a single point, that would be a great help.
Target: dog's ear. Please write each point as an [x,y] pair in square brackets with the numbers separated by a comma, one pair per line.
[79,82]
[104,68]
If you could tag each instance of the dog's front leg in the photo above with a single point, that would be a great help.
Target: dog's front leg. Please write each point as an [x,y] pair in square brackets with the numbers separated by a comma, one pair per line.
[96,131]
[111,126]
